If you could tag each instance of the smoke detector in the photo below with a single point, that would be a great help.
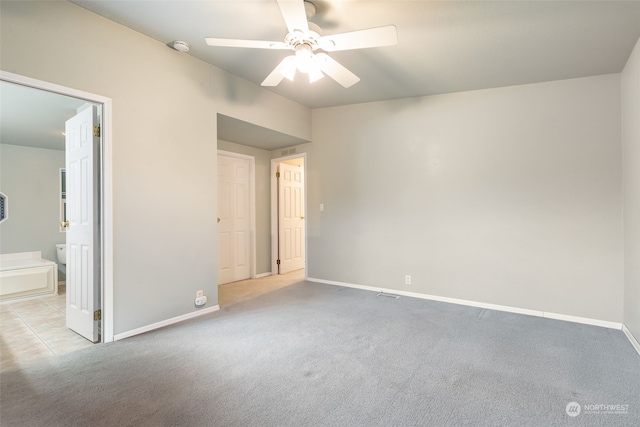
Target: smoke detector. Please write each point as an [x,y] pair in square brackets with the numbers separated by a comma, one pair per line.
[180,46]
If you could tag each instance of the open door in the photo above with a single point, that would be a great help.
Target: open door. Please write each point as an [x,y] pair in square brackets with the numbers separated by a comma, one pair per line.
[290,218]
[83,232]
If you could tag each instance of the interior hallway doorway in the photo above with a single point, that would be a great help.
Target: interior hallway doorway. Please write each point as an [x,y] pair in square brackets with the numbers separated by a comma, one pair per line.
[288,209]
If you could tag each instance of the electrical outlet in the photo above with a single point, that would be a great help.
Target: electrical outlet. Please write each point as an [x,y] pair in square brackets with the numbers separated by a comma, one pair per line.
[201,301]
[407,280]
[200,293]
[321,207]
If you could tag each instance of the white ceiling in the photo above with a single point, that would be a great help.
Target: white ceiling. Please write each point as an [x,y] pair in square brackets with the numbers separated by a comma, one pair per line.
[34,118]
[444,46]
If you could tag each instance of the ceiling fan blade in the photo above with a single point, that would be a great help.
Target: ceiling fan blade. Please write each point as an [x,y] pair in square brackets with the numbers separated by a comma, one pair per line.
[336,71]
[371,37]
[294,15]
[280,72]
[258,44]
[273,79]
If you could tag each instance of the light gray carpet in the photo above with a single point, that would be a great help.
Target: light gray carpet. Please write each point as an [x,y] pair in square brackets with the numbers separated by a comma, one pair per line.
[319,355]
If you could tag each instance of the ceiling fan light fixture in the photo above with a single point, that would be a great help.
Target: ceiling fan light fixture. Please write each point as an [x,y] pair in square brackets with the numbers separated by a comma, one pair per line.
[315,70]
[304,57]
[315,74]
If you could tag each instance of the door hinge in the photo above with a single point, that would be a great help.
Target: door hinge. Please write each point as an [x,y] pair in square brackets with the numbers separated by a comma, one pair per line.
[277,174]
[96,131]
[278,262]
[97,315]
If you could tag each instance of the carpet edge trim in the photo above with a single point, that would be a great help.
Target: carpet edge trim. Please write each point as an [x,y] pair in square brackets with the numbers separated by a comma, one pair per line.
[163,323]
[505,308]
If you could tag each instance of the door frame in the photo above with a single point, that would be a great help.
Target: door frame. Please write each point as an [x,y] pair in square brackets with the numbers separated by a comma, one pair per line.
[252,205]
[106,188]
[274,211]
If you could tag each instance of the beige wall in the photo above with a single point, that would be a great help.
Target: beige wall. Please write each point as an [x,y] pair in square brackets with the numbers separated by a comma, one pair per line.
[631,167]
[164,145]
[508,196]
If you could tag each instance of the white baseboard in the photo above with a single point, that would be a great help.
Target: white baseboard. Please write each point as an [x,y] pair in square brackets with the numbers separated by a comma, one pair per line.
[261,275]
[506,308]
[631,338]
[584,320]
[167,322]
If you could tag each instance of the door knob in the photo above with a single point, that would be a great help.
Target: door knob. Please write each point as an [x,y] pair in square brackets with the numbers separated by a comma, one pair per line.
[218,219]
[64,224]
[301,217]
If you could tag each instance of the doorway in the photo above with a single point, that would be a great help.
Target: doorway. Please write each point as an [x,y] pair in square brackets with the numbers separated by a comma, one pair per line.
[288,214]
[101,198]
[236,217]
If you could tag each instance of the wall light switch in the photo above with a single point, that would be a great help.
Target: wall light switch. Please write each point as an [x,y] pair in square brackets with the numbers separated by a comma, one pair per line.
[321,207]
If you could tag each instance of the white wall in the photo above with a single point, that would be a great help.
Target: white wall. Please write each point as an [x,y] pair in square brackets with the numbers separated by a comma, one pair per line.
[631,167]
[508,196]
[262,200]
[165,105]
[30,178]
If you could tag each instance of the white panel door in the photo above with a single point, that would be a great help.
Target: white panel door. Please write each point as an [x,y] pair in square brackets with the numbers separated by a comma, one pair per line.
[83,256]
[290,217]
[234,233]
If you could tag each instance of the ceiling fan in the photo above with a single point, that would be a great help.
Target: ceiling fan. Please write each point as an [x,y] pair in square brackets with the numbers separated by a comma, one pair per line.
[305,40]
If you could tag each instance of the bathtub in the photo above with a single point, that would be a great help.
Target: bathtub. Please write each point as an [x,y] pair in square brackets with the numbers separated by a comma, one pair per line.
[27,274]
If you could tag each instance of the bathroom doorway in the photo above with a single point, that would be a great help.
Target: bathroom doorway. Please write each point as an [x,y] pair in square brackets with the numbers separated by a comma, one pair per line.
[51,310]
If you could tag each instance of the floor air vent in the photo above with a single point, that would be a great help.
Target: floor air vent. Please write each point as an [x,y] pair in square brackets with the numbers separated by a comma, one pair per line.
[382,294]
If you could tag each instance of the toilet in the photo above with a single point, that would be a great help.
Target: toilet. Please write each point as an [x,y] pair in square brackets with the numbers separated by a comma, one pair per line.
[61,252]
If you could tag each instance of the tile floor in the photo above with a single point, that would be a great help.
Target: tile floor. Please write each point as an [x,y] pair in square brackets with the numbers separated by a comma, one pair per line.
[35,329]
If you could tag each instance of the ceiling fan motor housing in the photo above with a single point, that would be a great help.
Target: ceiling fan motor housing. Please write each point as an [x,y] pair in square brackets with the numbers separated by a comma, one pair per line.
[311,37]
[309,9]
